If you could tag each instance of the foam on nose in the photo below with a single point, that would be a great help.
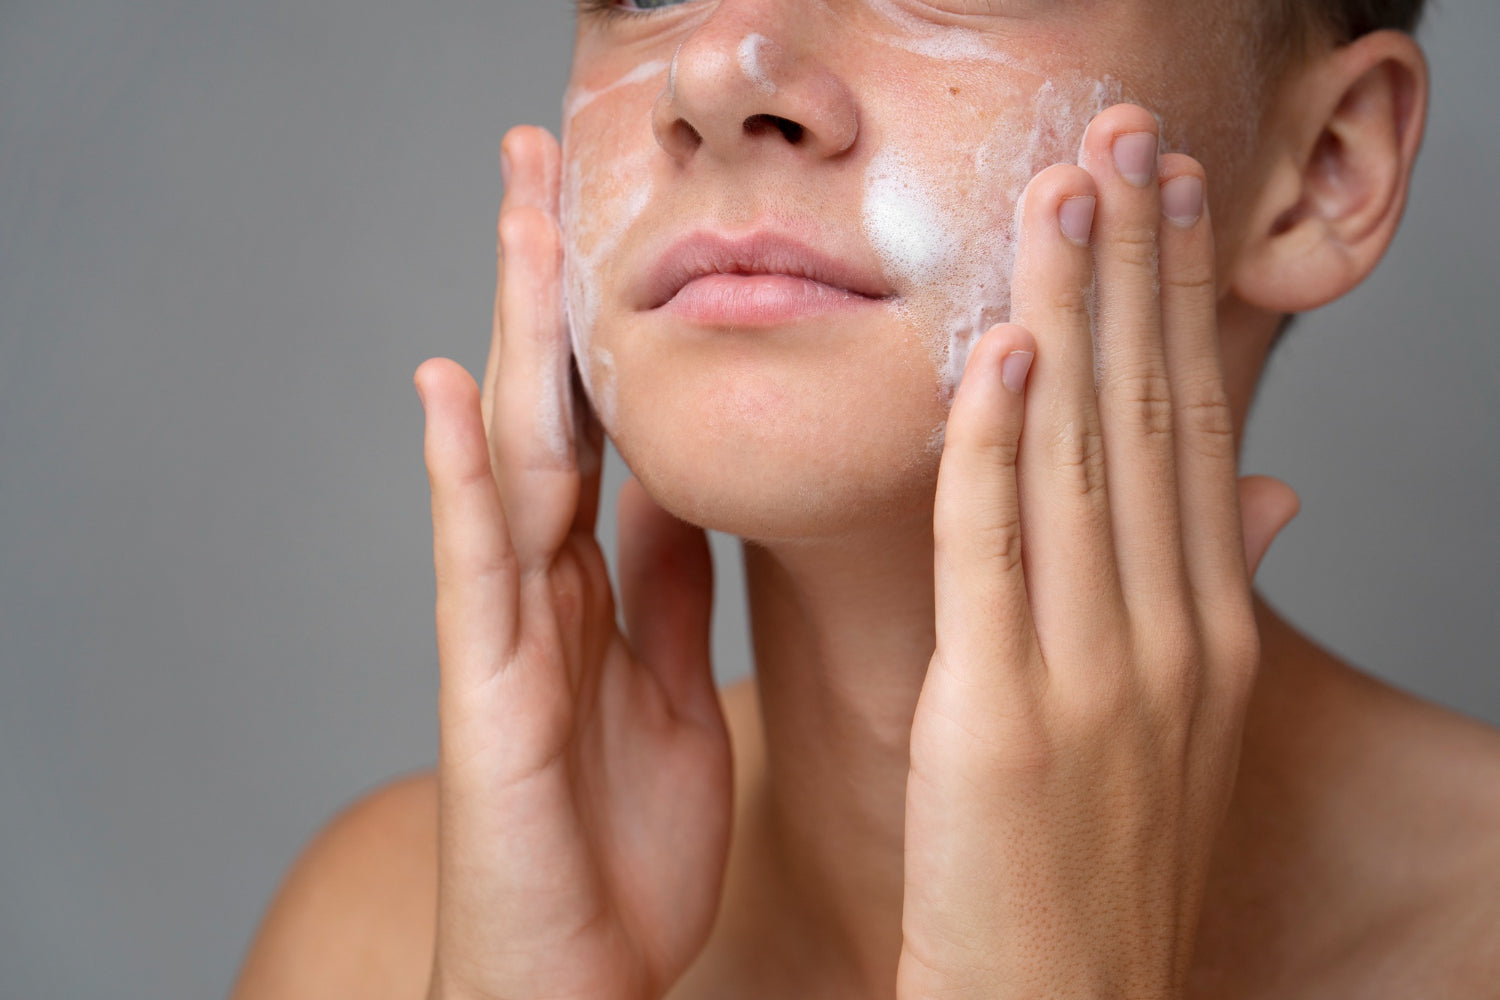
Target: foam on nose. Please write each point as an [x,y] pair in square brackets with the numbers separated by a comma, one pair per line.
[752,64]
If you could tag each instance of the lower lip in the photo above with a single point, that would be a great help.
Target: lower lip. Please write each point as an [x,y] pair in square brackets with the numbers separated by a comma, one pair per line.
[759,300]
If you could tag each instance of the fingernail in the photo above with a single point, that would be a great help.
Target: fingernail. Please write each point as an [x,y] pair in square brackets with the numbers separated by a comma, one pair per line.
[1014,368]
[1135,157]
[1182,199]
[1076,217]
[505,168]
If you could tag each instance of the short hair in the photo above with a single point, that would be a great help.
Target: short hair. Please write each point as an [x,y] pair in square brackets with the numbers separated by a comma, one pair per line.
[1347,20]
[1295,24]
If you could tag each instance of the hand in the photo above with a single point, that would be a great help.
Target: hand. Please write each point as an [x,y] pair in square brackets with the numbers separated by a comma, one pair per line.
[585,779]
[1078,732]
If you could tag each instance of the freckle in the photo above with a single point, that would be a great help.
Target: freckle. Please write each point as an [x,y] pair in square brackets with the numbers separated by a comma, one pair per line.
[953,91]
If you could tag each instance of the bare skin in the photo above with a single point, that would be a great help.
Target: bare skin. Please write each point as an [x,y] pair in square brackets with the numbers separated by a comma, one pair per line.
[579,860]
[1386,889]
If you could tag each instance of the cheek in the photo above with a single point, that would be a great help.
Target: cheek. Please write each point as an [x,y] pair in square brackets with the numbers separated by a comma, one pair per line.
[606,187]
[941,215]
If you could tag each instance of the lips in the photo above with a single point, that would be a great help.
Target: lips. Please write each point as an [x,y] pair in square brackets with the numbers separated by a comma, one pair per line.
[760,258]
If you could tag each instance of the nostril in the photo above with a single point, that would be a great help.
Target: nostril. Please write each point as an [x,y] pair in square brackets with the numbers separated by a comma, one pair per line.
[790,130]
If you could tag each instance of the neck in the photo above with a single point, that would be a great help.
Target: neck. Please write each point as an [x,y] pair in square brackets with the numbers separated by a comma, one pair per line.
[843,633]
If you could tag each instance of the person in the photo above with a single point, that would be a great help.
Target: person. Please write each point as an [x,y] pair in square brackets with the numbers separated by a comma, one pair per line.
[954,313]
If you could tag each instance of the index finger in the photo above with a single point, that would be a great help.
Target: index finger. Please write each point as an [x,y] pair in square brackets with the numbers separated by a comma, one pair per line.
[477,610]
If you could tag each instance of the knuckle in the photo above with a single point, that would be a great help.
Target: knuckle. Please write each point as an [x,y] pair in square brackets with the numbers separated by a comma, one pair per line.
[999,451]
[987,440]
[999,538]
[1135,245]
[1189,278]
[527,225]
[1144,398]
[1078,455]
[1208,422]
[463,473]
[1073,301]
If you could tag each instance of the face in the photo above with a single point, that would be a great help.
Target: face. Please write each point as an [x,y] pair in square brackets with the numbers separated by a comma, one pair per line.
[787,221]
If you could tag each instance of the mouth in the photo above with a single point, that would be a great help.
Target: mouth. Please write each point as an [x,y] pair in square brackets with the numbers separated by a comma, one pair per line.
[761,279]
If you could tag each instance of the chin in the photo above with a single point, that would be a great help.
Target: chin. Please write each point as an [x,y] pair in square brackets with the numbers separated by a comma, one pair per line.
[775,456]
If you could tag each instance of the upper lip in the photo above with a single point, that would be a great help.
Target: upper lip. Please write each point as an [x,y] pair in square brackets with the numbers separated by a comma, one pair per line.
[763,252]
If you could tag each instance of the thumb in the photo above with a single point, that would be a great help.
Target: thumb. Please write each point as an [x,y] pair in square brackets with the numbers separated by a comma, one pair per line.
[1266,506]
[666,591]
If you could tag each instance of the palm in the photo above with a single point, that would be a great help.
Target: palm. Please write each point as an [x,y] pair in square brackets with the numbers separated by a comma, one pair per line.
[633,802]
[585,777]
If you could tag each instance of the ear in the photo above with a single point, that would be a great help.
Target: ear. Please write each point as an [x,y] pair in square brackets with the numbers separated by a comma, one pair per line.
[1342,137]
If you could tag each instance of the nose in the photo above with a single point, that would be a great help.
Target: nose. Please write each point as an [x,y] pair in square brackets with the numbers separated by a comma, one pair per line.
[740,88]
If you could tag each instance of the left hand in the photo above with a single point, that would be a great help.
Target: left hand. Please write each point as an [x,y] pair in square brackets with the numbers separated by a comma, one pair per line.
[1078,733]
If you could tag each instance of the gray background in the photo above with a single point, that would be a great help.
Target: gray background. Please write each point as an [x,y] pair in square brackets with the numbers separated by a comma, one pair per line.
[229,231]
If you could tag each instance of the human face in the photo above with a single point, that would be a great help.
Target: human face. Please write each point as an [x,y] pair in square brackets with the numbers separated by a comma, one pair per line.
[787,221]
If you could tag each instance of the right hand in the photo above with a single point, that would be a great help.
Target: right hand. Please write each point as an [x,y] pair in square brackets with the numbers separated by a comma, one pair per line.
[585,779]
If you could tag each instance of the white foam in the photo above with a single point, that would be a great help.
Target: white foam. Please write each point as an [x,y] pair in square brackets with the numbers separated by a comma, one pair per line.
[583,278]
[944,226]
[578,98]
[903,224]
[601,229]
[750,63]
[936,41]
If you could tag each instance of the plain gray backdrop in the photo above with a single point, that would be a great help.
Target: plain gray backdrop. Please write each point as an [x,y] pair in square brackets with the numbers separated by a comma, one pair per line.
[229,231]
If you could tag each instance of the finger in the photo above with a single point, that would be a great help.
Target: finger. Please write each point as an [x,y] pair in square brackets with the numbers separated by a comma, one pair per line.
[1269,505]
[1070,571]
[532,442]
[666,589]
[530,165]
[1207,460]
[588,444]
[983,615]
[1135,393]
[477,604]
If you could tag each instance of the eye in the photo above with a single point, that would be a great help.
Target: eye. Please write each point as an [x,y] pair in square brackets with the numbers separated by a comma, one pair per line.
[625,8]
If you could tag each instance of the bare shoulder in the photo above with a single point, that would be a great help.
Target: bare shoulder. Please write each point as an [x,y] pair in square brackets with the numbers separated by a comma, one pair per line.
[1362,856]
[355,914]
[1433,793]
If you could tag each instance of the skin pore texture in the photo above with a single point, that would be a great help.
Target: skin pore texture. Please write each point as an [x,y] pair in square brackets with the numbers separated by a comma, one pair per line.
[937,217]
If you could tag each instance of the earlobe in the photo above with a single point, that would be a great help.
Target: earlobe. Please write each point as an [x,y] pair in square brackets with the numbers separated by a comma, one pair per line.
[1345,133]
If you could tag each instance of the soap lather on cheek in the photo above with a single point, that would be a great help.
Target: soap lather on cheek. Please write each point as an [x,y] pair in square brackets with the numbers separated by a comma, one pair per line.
[602,197]
[943,223]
